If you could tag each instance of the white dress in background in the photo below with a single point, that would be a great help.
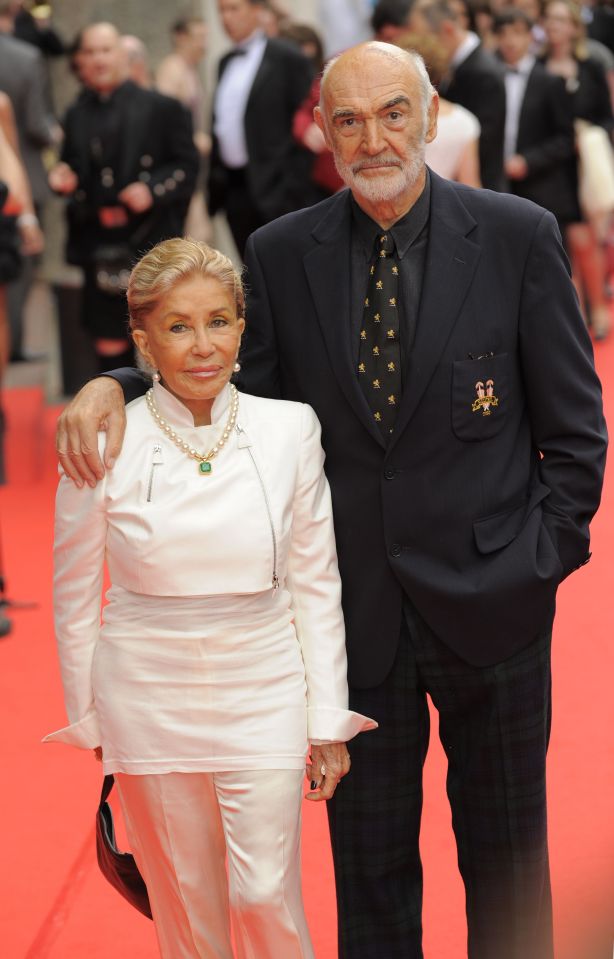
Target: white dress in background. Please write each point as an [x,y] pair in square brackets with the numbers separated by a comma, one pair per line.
[454,131]
[202,662]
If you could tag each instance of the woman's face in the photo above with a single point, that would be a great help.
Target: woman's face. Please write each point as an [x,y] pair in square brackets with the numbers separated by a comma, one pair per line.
[192,338]
[558,23]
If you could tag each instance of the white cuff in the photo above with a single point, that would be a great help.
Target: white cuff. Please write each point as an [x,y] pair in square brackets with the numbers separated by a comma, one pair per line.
[83,734]
[332,725]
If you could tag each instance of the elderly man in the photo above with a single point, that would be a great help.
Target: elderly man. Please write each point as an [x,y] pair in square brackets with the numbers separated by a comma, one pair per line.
[435,330]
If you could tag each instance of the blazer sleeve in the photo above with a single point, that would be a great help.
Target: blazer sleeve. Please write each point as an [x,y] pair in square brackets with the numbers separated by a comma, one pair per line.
[79,548]
[314,584]
[261,374]
[133,382]
[563,396]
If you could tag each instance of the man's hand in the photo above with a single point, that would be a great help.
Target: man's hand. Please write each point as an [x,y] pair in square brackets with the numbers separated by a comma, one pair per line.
[137,197]
[334,759]
[98,406]
[62,179]
[516,167]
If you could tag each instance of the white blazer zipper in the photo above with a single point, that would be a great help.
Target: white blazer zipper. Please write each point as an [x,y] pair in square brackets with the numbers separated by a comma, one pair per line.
[157,451]
[275,580]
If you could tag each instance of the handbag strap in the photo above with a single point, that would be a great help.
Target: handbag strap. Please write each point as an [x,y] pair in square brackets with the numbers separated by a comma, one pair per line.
[107,786]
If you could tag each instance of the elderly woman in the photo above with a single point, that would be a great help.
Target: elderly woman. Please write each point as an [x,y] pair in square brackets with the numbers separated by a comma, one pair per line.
[221,654]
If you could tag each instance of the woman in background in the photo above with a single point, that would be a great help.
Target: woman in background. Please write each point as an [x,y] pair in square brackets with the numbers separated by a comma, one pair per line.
[565,55]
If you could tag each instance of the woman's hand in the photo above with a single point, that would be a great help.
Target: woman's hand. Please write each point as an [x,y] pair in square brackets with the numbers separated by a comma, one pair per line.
[329,763]
[98,753]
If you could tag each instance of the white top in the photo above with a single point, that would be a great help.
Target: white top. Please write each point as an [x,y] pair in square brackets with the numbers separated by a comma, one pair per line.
[516,79]
[454,131]
[464,50]
[193,560]
[231,98]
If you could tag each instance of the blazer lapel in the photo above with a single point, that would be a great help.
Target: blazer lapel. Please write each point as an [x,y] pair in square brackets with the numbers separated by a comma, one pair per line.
[523,117]
[450,265]
[264,74]
[327,267]
[136,119]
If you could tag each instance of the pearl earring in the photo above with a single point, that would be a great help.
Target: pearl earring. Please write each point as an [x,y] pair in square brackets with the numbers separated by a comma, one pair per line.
[155,377]
[237,367]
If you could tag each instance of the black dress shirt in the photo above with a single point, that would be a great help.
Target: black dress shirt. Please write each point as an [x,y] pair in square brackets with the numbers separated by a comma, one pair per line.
[410,235]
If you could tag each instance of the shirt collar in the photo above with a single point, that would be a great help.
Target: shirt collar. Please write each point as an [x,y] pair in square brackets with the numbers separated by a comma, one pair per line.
[174,411]
[525,65]
[255,39]
[466,48]
[405,231]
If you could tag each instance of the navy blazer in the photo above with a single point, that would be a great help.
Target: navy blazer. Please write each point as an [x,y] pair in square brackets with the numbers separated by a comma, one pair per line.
[480,505]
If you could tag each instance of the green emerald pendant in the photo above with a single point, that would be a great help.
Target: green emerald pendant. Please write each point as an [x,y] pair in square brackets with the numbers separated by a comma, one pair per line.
[204,466]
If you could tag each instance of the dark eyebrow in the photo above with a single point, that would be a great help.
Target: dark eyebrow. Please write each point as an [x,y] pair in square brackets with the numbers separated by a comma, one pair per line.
[395,103]
[341,114]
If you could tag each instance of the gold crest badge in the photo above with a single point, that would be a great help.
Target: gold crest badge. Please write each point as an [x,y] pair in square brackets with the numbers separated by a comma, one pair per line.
[485,397]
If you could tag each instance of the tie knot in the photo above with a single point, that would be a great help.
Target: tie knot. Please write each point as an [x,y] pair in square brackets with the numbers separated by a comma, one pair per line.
[385,244]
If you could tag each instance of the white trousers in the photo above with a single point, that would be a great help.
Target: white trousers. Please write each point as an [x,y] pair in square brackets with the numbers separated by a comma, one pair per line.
[182,828]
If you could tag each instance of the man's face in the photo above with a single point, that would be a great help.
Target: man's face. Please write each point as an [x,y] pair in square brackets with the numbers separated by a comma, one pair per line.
[101,61]
[514,42]
[239,18]
[373,119]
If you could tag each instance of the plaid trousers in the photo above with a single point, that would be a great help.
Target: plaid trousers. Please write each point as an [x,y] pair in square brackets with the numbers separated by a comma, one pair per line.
[494,727]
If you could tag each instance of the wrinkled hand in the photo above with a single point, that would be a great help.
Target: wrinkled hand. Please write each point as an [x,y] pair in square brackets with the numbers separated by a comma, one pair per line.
[335,760]
[98,406]
[63,179]
[137,197]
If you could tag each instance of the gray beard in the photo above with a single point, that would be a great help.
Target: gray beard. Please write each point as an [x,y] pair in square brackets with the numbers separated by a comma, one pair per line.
[384,188]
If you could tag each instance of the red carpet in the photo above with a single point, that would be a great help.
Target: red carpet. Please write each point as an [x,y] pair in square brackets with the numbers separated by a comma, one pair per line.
[55,905]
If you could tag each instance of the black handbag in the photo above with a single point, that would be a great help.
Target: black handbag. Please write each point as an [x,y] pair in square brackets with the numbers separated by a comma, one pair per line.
[118,867]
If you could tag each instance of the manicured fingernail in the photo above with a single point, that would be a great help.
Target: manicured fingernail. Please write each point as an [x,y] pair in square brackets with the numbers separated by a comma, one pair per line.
[111,462]
[313,784]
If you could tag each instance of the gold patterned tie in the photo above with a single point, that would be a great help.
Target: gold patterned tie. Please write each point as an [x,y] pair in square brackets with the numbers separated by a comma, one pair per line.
[379,355]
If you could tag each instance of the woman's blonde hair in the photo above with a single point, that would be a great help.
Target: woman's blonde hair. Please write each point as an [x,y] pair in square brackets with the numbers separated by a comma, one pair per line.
[575,13]
[170,262]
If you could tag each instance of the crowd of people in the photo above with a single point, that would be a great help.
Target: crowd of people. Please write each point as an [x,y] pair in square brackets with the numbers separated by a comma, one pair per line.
[411,316]
[521,83]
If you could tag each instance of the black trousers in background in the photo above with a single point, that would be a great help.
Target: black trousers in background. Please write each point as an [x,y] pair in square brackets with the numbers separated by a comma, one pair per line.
[241,213]
[494,727]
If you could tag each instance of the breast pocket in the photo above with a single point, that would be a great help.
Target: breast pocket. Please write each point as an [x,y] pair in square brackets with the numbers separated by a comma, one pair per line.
[480,396]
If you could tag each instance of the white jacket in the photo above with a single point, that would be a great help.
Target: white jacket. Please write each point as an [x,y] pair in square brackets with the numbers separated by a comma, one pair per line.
[262,518]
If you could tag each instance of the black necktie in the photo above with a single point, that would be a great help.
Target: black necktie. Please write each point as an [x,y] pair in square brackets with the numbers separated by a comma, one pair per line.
[379,355]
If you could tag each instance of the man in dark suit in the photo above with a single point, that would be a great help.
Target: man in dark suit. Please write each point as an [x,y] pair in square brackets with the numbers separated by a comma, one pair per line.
[258,171]
[475,80]
[128,169]
[435,331]
[539,146]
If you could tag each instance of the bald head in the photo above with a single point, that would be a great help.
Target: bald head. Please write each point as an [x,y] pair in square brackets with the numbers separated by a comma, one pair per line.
[380,56]
[102,64]
[377,111]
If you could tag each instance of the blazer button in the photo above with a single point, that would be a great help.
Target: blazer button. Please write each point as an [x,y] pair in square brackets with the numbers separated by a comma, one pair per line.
[389,474]
[396,550]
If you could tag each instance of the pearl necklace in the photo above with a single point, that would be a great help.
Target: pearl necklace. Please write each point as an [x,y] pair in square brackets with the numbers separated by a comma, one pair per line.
[204,465]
